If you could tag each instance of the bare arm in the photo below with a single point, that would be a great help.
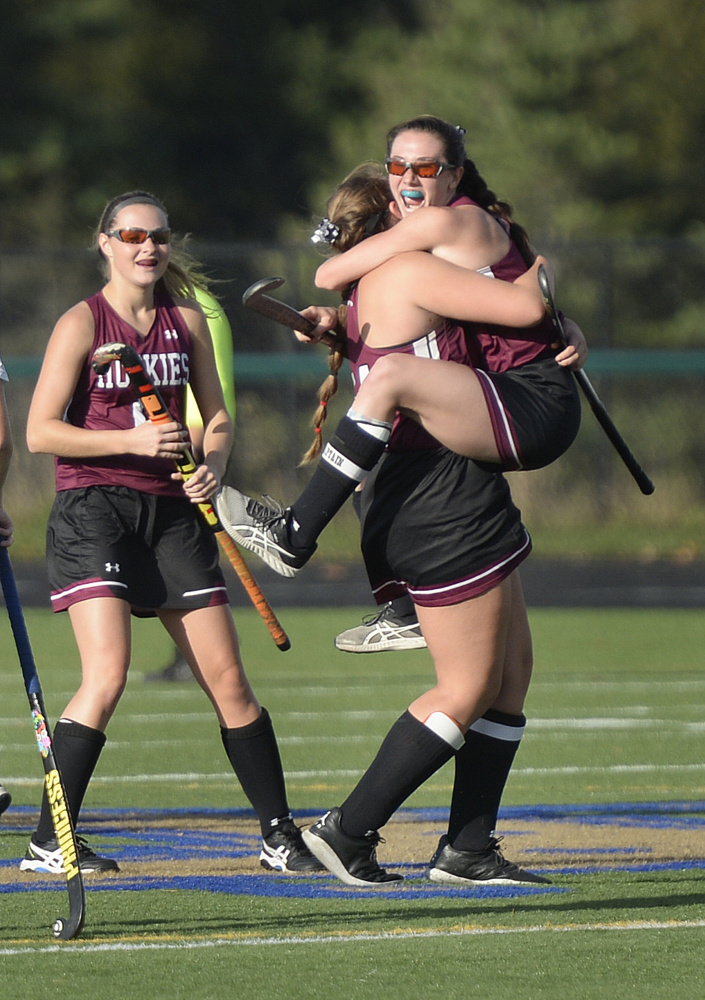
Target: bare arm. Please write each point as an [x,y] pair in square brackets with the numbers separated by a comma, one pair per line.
[48,432]
[465,236]
[444,289]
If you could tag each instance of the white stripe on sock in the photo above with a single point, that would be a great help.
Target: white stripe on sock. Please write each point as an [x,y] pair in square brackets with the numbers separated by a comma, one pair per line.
[445,727]
[498,731]
[331,456]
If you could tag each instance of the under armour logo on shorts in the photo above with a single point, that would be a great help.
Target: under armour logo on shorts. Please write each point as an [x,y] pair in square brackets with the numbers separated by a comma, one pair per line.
[112,567]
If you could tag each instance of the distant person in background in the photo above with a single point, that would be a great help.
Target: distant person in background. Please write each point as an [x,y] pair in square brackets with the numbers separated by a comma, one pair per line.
[6,526]
[125,535]
[222,337]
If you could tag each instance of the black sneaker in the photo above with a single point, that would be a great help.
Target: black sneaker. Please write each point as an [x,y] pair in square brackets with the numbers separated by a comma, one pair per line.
[46,858]
[488,867]
[5,799]
[261,529]
[283,850]
[352,859]
[381,631]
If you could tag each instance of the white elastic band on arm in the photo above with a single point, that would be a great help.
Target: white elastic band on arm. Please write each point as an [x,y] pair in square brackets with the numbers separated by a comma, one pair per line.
[445,727]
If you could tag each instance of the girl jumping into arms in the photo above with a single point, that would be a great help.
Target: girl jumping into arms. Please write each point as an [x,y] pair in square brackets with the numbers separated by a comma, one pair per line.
[444,525]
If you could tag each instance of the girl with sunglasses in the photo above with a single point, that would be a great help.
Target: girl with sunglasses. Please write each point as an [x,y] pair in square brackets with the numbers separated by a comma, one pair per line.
[125,535]
[466,223]
[439,521]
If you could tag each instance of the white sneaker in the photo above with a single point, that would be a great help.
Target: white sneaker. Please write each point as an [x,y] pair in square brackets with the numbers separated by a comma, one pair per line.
[261,528]
[47,858]
[381,631]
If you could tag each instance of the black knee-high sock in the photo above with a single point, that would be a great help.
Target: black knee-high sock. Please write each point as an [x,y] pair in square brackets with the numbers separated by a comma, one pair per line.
[482,767]
[408,756]
[77,749]
[355,448]
[254,755]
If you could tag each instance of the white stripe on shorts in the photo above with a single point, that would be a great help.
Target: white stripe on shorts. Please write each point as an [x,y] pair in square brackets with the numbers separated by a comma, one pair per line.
[205,590]
[473,578]
[506,426]
[86,586]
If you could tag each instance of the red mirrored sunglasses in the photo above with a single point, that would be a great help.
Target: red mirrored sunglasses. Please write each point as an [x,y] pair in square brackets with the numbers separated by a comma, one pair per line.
[422,168]
[141,235]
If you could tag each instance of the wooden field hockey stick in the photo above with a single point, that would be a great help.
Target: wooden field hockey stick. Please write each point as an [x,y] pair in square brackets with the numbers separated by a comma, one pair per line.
[157,412]
[63,827]
[255,297]
[597,406]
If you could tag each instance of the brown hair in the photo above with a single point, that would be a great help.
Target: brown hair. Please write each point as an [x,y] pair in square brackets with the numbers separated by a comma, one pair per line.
[359,207]
[183,274]
[472,184]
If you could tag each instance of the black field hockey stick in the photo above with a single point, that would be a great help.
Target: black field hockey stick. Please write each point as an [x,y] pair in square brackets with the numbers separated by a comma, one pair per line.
[63,827]
[596,404]
[157,412]
[255,297]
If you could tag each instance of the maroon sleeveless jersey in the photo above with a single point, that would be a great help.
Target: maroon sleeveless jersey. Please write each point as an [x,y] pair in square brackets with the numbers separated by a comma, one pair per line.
[502,347]
[107,402]
[448,342]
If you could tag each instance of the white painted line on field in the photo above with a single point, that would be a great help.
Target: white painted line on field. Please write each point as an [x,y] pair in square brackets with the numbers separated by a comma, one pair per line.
[227,776]
[196,776]
[160,744]
[352,937]
[554,681]
[621,722]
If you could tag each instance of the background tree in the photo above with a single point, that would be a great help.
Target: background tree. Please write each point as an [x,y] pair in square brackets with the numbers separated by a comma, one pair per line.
[588,114]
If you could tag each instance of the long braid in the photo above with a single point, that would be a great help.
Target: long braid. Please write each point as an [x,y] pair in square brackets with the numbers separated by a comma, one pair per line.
[329,387]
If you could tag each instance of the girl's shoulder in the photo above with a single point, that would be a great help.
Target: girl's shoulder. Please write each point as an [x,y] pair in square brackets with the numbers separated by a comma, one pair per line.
[193,315]
[79,318]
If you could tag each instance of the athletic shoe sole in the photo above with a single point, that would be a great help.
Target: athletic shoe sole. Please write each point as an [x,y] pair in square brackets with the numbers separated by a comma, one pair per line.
[325,853]
[438,875]
[50,862]
[370,644]
[230,505]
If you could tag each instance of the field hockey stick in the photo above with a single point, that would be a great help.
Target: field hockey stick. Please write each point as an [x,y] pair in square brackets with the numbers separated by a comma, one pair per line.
[157,412]
[256,298]
[63,827]
[596,404]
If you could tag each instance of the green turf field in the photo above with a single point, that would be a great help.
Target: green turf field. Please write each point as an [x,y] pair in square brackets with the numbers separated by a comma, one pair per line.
[616,728]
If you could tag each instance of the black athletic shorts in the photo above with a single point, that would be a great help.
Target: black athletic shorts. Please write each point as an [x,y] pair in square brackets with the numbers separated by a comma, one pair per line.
[151,551]
[535,412]
[440,527]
